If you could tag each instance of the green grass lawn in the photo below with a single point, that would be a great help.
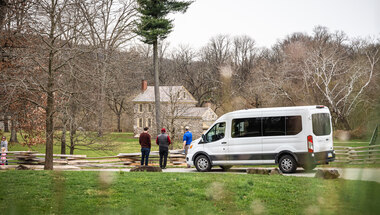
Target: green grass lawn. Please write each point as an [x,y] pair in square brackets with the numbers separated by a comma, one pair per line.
[47,192]
[126,143]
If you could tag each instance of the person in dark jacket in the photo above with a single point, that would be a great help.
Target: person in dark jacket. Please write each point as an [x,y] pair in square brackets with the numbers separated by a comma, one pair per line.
[145,143]
[163,141]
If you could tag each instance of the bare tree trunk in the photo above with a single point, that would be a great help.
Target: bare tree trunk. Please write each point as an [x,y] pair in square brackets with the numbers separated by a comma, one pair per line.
[72,143]
[101,103]
[6,124]
[156,87]
[50,112]
[257,104]
[345,123]
[49,128]
[3,12]
[118,122]
[63,140]
[13,132]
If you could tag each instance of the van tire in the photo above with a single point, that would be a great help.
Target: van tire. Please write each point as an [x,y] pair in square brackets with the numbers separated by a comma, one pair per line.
[202,163]
[225,168]
[287,164]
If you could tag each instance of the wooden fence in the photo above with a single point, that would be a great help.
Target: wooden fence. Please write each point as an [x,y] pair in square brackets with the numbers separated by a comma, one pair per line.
[358,155]
[344,154]
[175,157]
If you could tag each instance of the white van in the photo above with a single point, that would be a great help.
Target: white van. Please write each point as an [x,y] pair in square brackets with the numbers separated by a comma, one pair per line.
[287,136]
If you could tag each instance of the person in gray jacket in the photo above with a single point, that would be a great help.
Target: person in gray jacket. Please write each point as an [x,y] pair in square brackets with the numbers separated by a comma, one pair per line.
[163,141]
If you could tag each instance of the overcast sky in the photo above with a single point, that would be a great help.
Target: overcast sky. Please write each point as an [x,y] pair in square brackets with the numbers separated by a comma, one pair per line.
[267,21]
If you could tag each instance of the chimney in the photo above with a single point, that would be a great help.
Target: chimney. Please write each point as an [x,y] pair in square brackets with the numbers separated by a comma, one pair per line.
[207,104]
[144,85]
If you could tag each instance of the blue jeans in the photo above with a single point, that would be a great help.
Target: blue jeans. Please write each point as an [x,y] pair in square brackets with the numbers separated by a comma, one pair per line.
[145,155]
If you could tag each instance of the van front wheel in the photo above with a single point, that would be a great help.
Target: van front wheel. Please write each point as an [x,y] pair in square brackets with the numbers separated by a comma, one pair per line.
[202,163]
[287,164]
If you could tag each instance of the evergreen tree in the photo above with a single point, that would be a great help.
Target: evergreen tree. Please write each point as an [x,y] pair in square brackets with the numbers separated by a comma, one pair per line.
[153,26]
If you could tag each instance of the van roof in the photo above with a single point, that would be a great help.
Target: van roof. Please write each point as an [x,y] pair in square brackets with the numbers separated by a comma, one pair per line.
[281,108]
[274,109]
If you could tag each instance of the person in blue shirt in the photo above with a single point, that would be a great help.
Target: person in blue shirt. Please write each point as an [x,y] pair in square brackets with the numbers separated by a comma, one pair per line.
[187,139]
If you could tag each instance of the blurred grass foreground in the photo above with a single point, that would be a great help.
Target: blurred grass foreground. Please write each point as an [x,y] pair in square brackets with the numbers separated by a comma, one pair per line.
[55,192]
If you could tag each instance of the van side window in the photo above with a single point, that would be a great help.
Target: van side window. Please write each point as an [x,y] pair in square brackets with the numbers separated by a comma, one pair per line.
[293,125]
[274,126]
[250,127]
[217,132]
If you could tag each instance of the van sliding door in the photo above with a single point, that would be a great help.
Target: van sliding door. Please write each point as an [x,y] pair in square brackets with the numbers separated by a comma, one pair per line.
[246,146]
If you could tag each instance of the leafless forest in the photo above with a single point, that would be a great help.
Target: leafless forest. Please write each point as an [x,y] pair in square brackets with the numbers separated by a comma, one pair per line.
[75,65]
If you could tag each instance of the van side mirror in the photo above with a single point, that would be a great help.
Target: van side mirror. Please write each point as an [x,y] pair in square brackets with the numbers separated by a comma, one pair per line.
[203,138]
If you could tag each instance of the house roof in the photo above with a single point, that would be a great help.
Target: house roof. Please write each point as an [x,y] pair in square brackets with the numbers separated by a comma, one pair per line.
[202,112]
[194,112]
[166,92]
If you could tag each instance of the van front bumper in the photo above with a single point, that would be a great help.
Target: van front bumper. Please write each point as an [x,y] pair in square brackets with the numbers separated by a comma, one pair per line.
[316,157]
[189,161]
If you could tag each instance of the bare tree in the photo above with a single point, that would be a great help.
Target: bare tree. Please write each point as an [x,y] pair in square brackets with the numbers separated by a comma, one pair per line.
[110,26]
[175,109]
[338,73]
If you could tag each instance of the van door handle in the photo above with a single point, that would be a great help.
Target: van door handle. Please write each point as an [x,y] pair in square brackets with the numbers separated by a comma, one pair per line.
[224,142]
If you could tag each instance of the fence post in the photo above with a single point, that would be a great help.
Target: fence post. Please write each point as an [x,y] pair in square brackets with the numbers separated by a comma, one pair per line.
[374,136]
[349,155]
[373,141]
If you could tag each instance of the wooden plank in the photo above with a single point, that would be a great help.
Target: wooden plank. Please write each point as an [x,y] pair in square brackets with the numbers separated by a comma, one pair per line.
[176,156]
[363,155]
[19,152]
[366,151]
[358,159]
[345,150]
[93,161]
[365,147]
[62,155]
[97,158]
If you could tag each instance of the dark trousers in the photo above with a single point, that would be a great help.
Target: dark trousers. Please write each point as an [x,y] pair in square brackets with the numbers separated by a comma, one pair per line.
[145,155]
[163,156]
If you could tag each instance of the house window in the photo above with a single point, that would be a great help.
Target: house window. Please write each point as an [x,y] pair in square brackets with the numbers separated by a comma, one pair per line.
[149,123]
[140,124]
[184,95]
[140,108]
[150,108]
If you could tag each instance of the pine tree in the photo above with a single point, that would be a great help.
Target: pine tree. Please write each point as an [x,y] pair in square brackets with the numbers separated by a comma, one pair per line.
[154,26]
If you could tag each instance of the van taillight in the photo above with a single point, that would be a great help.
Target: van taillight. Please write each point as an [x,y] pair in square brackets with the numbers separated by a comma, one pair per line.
[310,145]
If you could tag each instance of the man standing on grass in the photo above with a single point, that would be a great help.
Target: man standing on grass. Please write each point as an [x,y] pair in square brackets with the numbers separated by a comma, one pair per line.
[145,143]
[163,141]
[187,139]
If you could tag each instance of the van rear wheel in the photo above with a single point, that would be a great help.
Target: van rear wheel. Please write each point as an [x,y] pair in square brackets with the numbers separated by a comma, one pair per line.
[202,163]
[287,164]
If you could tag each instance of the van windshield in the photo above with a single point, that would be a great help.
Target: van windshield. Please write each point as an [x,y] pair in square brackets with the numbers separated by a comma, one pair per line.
[321,124]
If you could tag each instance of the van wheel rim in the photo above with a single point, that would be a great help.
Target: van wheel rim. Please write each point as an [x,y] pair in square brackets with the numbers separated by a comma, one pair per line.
[286,164]
[202,163]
